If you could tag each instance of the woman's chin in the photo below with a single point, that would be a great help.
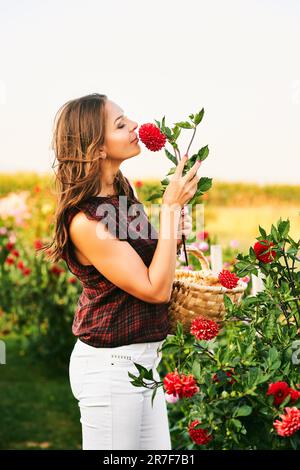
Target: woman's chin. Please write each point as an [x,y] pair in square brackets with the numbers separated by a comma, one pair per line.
[137,151]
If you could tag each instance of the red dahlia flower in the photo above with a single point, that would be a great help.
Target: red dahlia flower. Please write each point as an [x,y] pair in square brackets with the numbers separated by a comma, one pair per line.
[183,386]
[259,248]
[290,422]
[15,253]
[203,328]
[38,244]
[199,436]
[26,271]
[9,246]
[295,395]
[281,390]
[172,383]
[228,279]
[189,386]
[20,265]
[152,137]
[56,270]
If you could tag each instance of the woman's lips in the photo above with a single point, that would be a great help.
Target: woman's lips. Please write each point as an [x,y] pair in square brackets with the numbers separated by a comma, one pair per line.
[135,141]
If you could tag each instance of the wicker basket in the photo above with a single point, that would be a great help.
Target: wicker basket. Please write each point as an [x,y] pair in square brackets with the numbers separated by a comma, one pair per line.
[199,293]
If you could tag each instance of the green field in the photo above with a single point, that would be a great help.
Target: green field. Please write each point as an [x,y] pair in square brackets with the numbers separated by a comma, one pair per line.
[241,223]
[38,410]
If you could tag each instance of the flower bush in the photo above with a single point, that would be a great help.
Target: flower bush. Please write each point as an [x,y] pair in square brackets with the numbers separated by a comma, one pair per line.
[36,299]
[246,368]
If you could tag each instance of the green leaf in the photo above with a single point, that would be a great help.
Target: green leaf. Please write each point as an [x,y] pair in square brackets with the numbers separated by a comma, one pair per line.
[236,423]
[262,232]
[274,233]
[270,326]
[204,184]
[199,117]
[176,132]
[154,196]
[171,171]
[292,251]
[132,376]
[273,354]
[283,228]
[184,125]
[171,157]
[227,302]
[252,254]
[179,329]
[244,410]
[153,396]
[142,370]
[168,132]
[203,153]
[196,369]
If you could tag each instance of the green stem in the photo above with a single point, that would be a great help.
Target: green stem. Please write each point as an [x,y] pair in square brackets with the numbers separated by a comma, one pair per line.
[195,128]
[285,313]
[183,236]
[211,356]
[177,155]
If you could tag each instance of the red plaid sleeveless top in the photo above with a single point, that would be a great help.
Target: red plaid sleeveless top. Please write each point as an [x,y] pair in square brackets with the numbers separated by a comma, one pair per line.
[107,316]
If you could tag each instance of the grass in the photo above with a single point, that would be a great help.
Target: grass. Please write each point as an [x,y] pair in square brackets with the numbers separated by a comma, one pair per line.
[37,408]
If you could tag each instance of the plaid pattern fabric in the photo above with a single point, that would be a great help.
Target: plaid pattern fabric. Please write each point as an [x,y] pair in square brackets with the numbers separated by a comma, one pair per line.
[107,316]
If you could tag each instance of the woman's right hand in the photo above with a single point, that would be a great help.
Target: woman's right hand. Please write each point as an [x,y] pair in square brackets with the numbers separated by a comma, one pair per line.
[181,189]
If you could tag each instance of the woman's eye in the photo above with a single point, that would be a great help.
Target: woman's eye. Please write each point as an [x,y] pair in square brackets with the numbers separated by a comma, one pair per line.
[120,127]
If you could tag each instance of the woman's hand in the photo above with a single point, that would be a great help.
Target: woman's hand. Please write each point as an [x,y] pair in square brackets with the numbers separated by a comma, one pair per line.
[181,189]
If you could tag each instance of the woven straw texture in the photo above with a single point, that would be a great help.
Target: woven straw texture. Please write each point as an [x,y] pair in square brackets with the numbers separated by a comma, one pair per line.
[199,293]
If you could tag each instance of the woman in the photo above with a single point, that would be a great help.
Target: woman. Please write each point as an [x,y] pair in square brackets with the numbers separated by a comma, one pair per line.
[121,315]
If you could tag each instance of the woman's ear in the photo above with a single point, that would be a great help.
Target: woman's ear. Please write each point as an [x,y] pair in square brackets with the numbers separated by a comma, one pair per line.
[102,155]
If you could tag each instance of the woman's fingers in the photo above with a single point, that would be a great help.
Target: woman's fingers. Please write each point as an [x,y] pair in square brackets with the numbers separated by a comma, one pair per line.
[179,167]
[192,172]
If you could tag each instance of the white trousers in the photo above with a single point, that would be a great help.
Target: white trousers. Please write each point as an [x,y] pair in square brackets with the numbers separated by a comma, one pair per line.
[114,413]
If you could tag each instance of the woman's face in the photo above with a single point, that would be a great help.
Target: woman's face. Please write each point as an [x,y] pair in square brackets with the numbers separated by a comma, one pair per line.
[120,134]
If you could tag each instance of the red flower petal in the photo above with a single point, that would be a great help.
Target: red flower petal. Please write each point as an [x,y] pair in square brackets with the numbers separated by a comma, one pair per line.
[204,329]
[290,422]
[152,137]
[199,436]
[259,248]
[228,279]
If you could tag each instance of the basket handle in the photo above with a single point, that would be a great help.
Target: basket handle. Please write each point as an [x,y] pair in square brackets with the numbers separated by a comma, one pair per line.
[199,254]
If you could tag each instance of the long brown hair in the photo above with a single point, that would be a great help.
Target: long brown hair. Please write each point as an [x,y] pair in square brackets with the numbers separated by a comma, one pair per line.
[79,130]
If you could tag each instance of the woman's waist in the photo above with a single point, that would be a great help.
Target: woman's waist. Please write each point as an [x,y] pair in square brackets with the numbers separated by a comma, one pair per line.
[146,352]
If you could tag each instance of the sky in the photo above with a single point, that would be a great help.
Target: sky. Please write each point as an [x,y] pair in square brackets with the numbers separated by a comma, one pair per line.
[237,59]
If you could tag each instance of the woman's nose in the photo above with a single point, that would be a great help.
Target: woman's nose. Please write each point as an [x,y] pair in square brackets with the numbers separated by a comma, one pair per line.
[135,125]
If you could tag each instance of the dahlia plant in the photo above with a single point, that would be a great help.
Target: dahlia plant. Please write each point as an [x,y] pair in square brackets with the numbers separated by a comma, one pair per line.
[155,138]
[236,384]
